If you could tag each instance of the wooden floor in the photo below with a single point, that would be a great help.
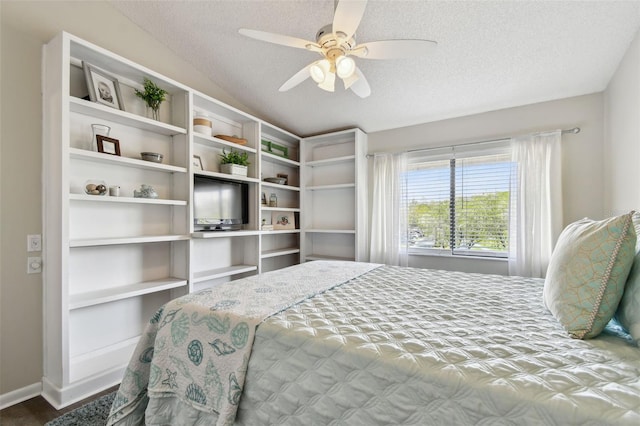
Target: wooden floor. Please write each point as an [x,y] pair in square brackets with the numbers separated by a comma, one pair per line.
[37,411]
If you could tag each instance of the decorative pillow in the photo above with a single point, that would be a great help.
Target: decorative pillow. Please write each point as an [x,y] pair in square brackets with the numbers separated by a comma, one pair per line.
[587,273]
[628,314]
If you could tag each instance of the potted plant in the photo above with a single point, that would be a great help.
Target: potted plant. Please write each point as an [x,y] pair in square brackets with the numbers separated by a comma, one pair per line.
[234,162]
[153,96]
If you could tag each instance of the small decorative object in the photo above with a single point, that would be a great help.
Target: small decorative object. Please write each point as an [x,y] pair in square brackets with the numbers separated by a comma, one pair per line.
[95,187]
[108,145]
[284,176]
[114,191]
[146,191]
[273,200]
[202,124]
[264,200]
[278,180]
[153,96]
[234,162]
[274,148]
[283,220]
[266,227]
[103,87]
[234,139]
[152,156]
[197,163]
[98,130]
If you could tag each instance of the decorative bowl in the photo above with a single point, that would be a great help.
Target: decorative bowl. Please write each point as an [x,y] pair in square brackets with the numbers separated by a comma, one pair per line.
[152,156]
[95,187]
[278,180]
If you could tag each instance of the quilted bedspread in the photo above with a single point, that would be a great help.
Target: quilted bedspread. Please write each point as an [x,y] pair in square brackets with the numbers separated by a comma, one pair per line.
[402,346]
[423,347]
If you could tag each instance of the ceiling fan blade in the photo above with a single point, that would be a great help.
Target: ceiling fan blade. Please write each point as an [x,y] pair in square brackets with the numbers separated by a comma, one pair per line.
[348,16]
[393,49]
[361,85]
[297,78]
[281,39]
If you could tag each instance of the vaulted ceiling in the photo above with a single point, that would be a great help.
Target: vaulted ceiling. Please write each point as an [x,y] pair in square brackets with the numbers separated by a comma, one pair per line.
[490,55]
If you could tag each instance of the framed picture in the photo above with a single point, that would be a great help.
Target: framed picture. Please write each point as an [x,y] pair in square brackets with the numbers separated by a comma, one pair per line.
[103,87]
[108,145]
[197,163]
[283,220]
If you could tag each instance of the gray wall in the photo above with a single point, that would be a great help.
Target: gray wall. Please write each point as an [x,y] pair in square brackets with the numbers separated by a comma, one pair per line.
[582,174]
[622,135]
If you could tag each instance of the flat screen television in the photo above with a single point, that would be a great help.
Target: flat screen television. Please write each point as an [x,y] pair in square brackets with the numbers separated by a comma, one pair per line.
[219,205]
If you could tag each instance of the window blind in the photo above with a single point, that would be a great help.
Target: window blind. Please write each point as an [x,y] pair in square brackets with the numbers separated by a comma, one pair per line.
[460,204]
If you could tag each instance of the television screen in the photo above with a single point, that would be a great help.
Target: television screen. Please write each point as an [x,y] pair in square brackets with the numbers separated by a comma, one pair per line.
[219,205]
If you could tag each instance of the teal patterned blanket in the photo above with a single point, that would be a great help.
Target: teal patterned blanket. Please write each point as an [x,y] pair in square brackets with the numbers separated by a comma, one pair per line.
[195,350]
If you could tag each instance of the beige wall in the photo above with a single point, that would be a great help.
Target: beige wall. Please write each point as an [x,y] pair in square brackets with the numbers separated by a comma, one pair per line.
[25,27]
[582,165]
[622,135]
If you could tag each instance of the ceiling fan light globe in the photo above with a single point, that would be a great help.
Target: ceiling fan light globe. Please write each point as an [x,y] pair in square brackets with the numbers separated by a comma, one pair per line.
[329,82]
[345,67]
[319,70]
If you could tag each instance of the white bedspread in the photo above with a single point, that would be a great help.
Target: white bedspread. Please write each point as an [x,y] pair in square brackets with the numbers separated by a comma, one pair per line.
[192,358]
[417,347]
[401,346]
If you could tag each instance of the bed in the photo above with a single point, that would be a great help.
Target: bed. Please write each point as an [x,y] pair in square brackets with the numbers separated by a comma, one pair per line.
[374,344]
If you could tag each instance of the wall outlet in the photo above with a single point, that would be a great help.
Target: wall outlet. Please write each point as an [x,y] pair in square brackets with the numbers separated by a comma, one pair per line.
[34,242]
[34,265]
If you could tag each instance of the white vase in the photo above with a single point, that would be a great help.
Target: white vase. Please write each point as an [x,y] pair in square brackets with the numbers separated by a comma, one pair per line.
[233,169]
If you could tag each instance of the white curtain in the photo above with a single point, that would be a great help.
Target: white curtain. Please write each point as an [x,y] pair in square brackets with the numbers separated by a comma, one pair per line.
[536,203]
[388,219]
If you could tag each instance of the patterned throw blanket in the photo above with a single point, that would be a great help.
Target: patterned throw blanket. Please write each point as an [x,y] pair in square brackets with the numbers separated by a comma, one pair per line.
[195,349]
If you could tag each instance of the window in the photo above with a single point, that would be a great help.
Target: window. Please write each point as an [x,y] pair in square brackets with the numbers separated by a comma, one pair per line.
[458,200]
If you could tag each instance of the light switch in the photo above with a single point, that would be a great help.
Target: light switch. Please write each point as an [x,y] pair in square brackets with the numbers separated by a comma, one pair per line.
[34,242]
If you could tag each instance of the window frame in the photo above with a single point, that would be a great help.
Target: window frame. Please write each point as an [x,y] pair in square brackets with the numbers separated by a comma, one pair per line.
[453,153]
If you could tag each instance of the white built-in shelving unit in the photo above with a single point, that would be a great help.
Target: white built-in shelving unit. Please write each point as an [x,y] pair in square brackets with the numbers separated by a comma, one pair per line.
[334,223]
[111,262]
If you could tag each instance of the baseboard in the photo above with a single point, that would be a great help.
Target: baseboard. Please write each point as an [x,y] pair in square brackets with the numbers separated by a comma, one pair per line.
[19,395]
[77,391]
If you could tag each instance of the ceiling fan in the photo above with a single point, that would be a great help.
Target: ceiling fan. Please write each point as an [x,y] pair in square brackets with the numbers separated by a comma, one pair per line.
[336,44]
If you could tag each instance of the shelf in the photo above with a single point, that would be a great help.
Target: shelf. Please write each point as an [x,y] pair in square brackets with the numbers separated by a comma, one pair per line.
[223,234]
[83,300]
[278,186]
[202,139]
[279,209]
[222,272]
[98,157]
[109,199]
[279,252]
[323,257]
[93,242]
[226,176]
[330,231]
[278,159]
[328,187]
[281,231]
[331,161]
[103,112]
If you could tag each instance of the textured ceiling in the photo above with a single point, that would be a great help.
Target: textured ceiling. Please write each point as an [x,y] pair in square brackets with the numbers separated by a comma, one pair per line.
[490,55]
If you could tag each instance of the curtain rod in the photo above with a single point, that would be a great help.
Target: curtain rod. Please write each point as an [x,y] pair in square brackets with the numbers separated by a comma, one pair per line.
[574,131]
